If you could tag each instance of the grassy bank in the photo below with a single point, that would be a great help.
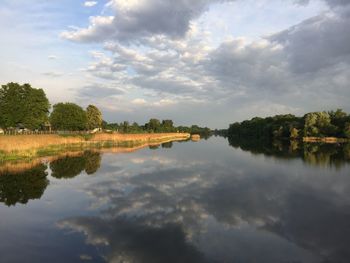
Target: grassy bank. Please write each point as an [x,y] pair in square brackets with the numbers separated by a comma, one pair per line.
[32,146]
[325,140]
[21,165]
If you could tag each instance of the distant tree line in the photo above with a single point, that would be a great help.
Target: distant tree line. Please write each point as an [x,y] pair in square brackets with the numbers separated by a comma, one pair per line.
[314,124]
[155,126]
[22,106]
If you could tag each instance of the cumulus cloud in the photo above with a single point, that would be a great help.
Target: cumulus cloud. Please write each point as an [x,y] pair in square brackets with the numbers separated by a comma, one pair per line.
[263,74]
[175,62]
[139,18]
[99,91]
[317,43]
[241,65]
[331,3]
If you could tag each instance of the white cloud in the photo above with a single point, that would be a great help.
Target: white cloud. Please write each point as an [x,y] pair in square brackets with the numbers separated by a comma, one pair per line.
[52,57]
[179,56]
[139,102]
[141,18]
[90,3]
[53,74]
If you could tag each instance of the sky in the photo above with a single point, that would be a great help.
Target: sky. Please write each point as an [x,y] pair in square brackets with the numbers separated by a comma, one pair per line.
[205,62]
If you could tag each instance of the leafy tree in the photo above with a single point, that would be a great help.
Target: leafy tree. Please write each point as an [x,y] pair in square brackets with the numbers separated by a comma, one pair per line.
[319,124]
[136,128]
[347,130]
[125,126]
[294,133]
[153,125]
[339,119]
[94,117]
[22,104]
[167,126]
[68,116]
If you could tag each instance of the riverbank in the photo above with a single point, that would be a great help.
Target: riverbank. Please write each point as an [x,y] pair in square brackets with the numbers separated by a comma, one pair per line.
[21,165]
[325,140]
[33,146]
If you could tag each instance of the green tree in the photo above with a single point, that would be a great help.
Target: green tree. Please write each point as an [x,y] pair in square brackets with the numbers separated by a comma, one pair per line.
[167,126]
[22,104]
[339,119]
[153,125]
[135,128]
[294,133]
[69,117]
[319,124]
[125,127]
[94,117]
[347,130]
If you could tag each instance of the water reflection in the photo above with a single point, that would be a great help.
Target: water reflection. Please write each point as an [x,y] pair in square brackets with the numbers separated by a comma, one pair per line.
[69,167]
[207,202]
[224,210]
[312,153]
[20,187]
[154,147]
[22,182]
[167,145]
[132,241]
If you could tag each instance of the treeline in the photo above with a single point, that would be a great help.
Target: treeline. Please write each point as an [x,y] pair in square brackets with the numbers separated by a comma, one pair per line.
[315,124]
[24,107]
[155,126]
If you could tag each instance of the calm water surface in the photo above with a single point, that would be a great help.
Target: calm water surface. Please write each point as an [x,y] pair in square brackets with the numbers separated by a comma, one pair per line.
[183,202]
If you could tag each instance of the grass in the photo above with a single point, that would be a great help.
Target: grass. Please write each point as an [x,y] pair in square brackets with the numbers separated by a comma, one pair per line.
[26,147]
[325,139]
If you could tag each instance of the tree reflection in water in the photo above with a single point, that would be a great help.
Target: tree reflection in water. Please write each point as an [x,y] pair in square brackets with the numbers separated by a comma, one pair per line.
[167,145]
[20,187]
[69,167]
[190,205]
[223,209]
[316,154]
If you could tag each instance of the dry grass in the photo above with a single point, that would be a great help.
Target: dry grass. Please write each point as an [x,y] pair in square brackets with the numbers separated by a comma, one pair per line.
[30,142]
[31,146]
[325,139]
[195,137]
[139,137]
[18,167]
[21,166]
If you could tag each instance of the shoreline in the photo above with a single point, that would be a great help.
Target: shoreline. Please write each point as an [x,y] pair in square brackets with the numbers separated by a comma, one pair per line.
[329,140]
[326,140]
[27,147]
[20,165]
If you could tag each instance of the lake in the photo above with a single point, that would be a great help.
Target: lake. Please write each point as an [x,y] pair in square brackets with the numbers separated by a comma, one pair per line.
[201,201]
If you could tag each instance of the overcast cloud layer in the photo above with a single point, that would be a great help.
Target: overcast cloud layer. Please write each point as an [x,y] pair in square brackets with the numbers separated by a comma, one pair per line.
[209,62]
